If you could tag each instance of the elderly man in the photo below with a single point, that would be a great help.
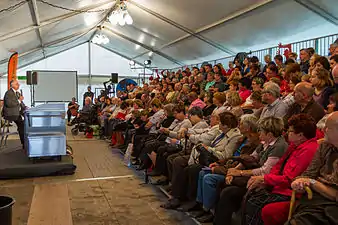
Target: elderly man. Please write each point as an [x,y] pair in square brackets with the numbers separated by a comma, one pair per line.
[304,103]
[275,106]
[333,48]
[322,177]
[14,107]
[305,60]
[335,76]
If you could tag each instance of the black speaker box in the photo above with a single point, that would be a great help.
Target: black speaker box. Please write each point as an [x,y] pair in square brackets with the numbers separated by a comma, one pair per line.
[114,78]
[31,78]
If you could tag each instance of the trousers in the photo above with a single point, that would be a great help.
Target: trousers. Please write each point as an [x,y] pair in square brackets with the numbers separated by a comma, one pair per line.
[179,177]
[230,201]
[207,188]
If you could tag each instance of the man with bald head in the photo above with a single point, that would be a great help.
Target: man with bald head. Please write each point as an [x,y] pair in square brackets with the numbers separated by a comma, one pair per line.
[335,76]
[304,103]
[13,107]
[322,178]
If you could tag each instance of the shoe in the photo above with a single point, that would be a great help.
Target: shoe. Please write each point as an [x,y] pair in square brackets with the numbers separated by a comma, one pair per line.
[123,146]
[154,173]
[141,167]
[168,189]
[197,214]
[190,206]
[171,204]
[207,218]
[162,181]
[135,162]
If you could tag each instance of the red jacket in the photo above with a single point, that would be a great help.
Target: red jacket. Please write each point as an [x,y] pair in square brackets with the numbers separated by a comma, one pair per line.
[298,159]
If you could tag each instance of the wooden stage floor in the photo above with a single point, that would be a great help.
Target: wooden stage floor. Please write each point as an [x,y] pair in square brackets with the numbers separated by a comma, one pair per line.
[103,191]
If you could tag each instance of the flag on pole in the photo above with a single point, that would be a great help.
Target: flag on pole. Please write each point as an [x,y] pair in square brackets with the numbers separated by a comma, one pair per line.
[12,68]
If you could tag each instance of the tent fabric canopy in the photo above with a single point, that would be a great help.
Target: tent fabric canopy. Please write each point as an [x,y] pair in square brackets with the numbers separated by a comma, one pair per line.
[173,32]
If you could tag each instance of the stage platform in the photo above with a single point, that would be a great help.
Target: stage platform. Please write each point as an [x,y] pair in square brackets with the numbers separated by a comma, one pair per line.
[14,164]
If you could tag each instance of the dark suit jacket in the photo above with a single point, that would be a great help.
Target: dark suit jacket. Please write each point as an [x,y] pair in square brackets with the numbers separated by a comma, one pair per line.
[11,108]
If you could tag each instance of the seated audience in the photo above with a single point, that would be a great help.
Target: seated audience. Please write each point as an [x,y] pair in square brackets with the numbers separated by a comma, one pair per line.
[233,103]
[244,88]
[207,183]
[271,96]
[321,81]
[72,109]
[209,107]
[258,163]
[289,98]
[219,99]
[321,177]
[304,103]
[274,187]
[195,101]
[223,146]
[257,85]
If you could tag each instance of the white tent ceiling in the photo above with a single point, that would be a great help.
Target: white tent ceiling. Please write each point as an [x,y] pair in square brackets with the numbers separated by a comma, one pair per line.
[177,32]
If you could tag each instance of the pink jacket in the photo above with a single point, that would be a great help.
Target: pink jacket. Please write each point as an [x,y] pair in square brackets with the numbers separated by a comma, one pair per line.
[197,103]
[244,93]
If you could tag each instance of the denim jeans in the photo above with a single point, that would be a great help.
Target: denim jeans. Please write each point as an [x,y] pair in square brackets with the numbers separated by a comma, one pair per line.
[207,188]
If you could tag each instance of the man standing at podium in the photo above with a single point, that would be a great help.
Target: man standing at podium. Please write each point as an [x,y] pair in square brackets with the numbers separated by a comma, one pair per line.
[14,108]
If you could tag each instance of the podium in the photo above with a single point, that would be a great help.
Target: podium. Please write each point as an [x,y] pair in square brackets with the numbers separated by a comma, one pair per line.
[45,131]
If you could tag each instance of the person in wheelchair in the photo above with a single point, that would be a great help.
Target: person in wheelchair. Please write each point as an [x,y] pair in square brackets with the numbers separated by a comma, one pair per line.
[86,115]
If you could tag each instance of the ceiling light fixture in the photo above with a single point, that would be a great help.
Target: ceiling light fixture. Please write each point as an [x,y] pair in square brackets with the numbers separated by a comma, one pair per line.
[100,39]
[120,15]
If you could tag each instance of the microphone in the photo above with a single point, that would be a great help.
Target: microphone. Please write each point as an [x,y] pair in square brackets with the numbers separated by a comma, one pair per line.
[21,92]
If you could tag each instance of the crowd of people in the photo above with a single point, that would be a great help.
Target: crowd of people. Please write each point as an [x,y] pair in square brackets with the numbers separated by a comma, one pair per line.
[237,141]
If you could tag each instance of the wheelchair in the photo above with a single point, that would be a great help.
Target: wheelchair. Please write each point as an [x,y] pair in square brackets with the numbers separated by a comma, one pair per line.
[83,123]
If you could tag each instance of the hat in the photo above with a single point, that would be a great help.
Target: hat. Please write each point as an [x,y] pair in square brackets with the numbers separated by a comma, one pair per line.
[89,87]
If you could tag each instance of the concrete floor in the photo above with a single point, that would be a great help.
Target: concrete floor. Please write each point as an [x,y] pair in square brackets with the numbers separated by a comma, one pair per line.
[102,191]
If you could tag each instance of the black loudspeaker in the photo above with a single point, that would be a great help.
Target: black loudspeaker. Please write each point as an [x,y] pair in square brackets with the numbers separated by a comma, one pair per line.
[31,78]
[114,78]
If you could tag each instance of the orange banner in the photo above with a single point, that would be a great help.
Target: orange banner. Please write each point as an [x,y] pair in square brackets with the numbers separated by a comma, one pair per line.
[12,67]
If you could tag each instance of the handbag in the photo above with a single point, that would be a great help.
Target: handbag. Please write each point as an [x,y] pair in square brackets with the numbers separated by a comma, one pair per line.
[205,157]
[248,161]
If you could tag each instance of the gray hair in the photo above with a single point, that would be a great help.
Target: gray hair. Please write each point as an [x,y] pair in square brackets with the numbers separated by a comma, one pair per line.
[334,45]
[169,108]
[272,125]
[196,111]
[272,88]
[250,121]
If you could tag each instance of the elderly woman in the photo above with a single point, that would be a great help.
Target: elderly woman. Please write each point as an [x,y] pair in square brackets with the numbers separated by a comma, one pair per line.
[289,98]
[157,118]
[234,102]
[321,177]
[209,108]
[219,99]
[221,147]
[259,163]
[208,179]
[321,81]
[275,186]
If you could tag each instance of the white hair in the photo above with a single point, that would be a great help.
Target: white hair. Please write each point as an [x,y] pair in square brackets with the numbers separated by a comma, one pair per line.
[272,88]
[250,121]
